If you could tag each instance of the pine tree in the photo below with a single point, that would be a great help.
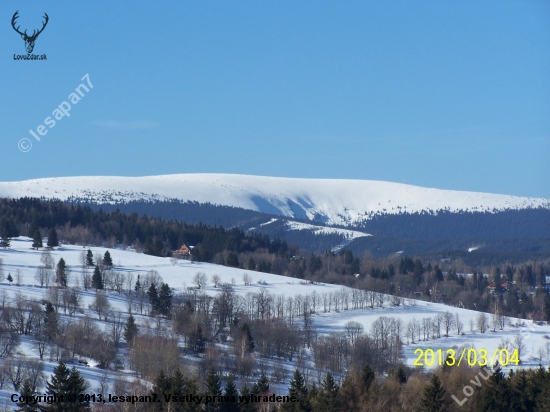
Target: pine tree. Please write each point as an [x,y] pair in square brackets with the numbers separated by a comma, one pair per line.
[61,273]
[37,239]
[9,278]
[89,258]
[107,260]
[130,330]
[433,399]
[299,390]
[213,388]
[97,279]
[349,395]
[230,394]
[26,393]
[52,238]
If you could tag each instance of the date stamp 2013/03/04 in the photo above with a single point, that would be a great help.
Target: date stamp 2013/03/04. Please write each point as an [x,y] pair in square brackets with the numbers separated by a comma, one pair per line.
[474,357]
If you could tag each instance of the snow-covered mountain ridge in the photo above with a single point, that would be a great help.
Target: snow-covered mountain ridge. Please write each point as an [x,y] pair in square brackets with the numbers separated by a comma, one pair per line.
[331,201]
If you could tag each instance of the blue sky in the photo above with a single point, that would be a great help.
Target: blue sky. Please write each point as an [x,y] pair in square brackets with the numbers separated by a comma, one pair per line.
[452,95]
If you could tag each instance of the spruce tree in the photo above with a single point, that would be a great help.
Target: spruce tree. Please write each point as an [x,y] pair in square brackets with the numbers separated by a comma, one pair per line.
[61,273]
[298,389]
[327,397]
[26,393]
[107,260]
[52,238]
[37,239]
[153,297]
[231,395]
[130,330]
[9,278]
[137,287]
[213,388]
[262,386]
[77,386]
[165,299]
[522,401]
[162,385]
[495,395]
[367,377]
[433,399]
[89,258]
[244,406]
[33,227]
[59,386]
[97,279]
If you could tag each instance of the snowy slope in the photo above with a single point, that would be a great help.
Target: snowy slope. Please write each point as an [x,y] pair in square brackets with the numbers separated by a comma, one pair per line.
[328,200]
[21,257]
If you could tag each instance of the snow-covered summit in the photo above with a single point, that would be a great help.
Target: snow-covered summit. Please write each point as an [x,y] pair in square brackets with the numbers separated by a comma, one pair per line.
[332,201]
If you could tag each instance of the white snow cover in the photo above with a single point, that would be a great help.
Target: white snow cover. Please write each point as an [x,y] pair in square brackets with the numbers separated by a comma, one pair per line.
[21,256]
[333,201]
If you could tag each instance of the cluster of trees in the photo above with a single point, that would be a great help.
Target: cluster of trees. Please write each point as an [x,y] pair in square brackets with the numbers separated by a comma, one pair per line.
[155,236]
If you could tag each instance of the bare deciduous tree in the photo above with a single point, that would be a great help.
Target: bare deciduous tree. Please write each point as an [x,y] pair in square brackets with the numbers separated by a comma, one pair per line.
[100,305]
[200,280]
[43,276]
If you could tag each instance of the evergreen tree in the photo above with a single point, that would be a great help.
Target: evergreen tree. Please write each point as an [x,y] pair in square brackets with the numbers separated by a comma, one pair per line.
[77,386]
[8,230]
[400,375]
[97,279]
[230,394]
[520,386]
[59,386]
[495,395]
[130,330]
[165,299]
[50,320]
[153,297]
[162,385]
[262,386]
[26,393]
[137,286]
[299,390]
[349,395]
[89,258]
[367,377]
[61,273]
[37,239]
[433,399]
[327,397]
[232,260]
[33,227]
[243,406]
[213,388]
[107,260]
[52,238]
[9,278]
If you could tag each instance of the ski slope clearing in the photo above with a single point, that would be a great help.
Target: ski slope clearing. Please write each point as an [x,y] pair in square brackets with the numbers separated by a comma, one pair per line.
[331,201]
[21,257]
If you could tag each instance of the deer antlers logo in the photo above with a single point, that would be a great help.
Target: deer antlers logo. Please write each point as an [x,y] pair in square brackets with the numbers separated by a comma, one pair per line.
[29,40]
